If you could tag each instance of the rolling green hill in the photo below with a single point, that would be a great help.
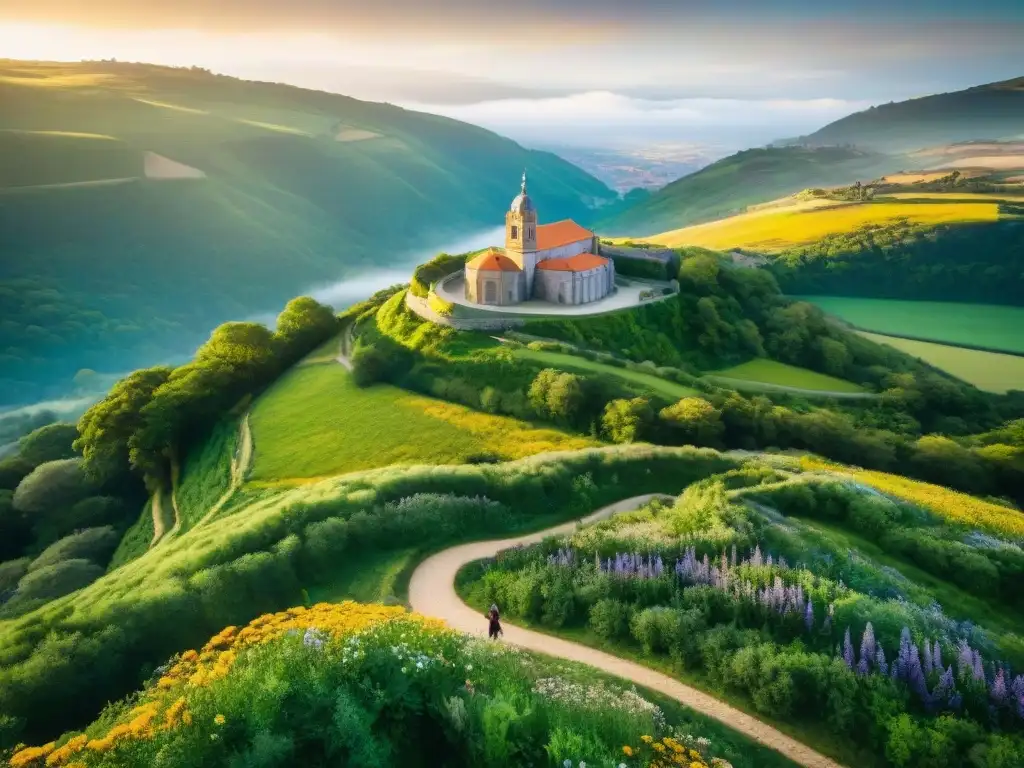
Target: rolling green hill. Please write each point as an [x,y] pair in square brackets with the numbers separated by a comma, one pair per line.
[991,111]
[746,178]
[299,187]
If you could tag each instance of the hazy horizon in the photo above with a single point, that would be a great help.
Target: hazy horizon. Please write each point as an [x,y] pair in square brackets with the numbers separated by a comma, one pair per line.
[601,73]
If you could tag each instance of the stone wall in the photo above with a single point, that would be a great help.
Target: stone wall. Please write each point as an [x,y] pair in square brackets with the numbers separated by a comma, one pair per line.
[421,307]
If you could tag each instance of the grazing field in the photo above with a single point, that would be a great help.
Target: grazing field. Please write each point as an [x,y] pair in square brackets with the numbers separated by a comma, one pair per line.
[656,384]
[315,422]
[990,371]
[980,325]
[774,230]
[993,162]
[1014,195]
[779,374]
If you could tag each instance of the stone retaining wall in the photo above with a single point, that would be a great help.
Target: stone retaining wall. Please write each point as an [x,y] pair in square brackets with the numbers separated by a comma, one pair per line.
[421,307]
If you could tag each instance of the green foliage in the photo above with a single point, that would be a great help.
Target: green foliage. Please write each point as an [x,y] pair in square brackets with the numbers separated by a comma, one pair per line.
[49,582]
[51,487]
[980,263]
[626,421]
[49,443]
[556,395]
[255,560]
[93,544]
[425,275]
[697,421]
[153,415]
[11,572]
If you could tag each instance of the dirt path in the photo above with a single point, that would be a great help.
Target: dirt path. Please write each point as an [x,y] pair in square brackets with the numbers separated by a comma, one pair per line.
[161,521]
[241,462]
[432,592]
[345,348]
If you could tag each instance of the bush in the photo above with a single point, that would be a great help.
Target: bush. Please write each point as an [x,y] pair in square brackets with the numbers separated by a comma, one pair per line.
[610,619]
[10,574]
[52,486]
[93,544]
[440,306]
[626,421]
[53,581]
[49,443]
[425,275]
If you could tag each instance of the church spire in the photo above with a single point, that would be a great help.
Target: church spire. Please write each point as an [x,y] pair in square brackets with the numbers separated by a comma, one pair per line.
[523,187]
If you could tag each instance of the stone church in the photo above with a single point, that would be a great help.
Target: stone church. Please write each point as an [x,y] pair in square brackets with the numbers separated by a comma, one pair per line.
[556,262]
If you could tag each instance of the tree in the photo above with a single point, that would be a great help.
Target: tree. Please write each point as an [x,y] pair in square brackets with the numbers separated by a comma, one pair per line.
[556,395]
[625,421]
[835,357]
[49,443]
[303,324]
[696,420]
[104,430]
[246,347]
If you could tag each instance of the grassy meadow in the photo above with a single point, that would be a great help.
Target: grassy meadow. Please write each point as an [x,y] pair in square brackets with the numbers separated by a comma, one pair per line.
[773,372]
[315,422]
[772,230]
[982,325]
[989,371]
[656,384]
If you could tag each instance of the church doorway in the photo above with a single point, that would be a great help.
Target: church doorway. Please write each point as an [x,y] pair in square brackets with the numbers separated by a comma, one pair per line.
[490,293]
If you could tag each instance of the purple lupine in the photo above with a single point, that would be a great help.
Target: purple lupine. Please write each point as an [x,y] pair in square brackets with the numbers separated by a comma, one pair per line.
[847,650]
[936,655]
[809,615]
[867,646]
[883,667]
[998,691]
[945,688]
[965,658]
[756,559]
[977,668]
[915,676]
[928,664]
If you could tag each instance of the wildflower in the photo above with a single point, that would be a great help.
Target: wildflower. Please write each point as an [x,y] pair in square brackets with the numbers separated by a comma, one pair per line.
[29,755]
[220,719]
[627,751]
[646,739]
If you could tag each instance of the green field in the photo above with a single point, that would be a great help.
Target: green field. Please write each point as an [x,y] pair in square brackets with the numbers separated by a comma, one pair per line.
[656,384]
[781,375]
[989,371]
[982,325]
[315,422]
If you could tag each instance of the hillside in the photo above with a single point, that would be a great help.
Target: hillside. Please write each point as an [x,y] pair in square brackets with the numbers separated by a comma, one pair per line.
[746,178]
[992,111]
[185,199]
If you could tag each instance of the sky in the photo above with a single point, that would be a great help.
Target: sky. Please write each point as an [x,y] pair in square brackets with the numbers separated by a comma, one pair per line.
[577,71]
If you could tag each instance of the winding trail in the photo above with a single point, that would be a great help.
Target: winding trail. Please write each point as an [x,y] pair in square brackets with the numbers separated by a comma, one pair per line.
[432,593]
[241,463]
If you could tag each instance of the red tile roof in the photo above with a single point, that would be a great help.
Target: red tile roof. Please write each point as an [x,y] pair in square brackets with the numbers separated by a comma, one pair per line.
[493,260]
[581,262]
[560,233]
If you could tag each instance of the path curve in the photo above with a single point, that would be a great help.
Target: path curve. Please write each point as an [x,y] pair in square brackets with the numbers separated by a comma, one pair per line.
[432,593]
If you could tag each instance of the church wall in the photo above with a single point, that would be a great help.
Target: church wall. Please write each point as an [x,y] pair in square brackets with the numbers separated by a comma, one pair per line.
[577,287]
[565,251]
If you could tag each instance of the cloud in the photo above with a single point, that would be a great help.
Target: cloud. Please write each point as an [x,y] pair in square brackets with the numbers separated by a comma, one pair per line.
[581,117]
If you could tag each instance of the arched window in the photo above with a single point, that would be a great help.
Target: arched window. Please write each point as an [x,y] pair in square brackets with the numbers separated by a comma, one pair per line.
[515,231]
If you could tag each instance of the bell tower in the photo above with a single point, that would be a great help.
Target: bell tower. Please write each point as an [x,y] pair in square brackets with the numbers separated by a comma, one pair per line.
[521,234]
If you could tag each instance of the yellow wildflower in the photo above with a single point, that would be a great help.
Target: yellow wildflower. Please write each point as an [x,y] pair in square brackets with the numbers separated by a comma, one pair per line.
[220,719]
[646,739]
[73,745]
[627,751]
[186,718]
[29,755]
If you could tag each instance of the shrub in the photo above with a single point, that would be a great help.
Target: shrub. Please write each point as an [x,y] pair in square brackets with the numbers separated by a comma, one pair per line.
[49,443]
[10,574]
[52,486]
[610,619]
[625,421]
[93,544]
[695,420]
[440,306]
[55,580]
[425,275]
